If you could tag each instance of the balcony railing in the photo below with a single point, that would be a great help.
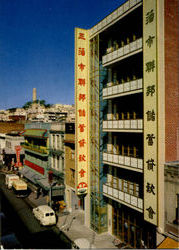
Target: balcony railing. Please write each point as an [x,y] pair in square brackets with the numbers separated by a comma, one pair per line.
[56,151]
[36,148]
[122,197]
[123,52]
[134,125]
[114,16]
[127,162]
[122,89]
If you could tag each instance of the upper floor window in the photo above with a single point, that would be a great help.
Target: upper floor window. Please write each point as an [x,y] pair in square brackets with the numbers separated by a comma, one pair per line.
[72,154]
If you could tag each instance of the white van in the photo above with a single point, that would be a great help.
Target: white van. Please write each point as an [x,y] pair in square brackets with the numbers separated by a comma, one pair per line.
[45,215]
[10,178]
[82,243]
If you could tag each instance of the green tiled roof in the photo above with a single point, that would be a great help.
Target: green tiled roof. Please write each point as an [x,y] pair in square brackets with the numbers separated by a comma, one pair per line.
[42,133]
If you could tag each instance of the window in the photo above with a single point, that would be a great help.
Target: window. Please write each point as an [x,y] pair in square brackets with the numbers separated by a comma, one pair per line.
[131,188]
[58,161]
[72,175]
[53,143]
[72,154]
[125,186]
[58,142]
[53,161]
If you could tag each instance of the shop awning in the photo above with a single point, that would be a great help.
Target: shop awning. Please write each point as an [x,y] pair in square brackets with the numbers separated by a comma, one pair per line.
[24,171]
[40,133]
[30,175]
[44,184]
[169,243]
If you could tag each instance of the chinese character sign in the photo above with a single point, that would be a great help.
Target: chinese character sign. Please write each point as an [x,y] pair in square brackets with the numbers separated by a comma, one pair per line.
[82,106]
[150,111]
[18,162]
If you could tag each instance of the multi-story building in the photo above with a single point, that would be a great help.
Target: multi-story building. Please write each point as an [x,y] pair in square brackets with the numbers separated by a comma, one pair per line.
[9,138]
[127,118]
[56,149]
[70,194]
[171,192]
[43,154]
[13,141]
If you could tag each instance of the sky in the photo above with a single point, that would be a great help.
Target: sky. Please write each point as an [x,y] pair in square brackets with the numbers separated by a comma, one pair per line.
[37,47]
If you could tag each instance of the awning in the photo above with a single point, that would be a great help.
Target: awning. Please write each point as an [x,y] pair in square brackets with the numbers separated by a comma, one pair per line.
[40,133]
[24,171]
[169,243]
[30,175]
[44,184]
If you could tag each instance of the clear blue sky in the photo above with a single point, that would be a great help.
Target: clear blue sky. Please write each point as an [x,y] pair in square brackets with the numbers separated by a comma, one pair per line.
[37,47]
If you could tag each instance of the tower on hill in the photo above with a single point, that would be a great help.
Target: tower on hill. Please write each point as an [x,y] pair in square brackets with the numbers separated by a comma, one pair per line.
[34,98]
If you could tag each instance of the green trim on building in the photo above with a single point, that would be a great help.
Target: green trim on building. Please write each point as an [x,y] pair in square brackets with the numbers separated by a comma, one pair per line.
[41,133]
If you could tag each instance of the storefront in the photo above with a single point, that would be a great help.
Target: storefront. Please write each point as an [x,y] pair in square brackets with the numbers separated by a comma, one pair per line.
[129,226]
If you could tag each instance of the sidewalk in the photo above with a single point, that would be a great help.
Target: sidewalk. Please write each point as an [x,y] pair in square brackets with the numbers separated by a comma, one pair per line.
[73,226]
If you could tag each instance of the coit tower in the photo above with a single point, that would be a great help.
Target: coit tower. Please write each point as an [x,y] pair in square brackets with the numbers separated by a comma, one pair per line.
[34,95]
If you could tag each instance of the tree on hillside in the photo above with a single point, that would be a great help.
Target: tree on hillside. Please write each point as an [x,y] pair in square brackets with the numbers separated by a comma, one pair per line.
[41,102]
[12,110]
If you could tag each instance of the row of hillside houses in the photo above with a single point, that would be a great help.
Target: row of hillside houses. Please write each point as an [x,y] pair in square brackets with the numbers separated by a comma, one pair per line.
[38,112]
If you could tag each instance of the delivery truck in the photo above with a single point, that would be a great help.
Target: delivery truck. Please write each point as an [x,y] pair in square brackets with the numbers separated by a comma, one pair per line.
[10,178]
[20,188]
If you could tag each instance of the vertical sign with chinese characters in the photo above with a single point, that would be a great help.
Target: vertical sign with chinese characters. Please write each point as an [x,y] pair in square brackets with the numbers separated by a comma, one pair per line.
[81,104]
[150,110]
[18,162]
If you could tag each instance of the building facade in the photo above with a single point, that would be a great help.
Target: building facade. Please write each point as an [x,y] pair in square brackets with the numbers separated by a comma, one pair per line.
[9,139]
[40,151]
[56,149]
[124,108]
[172,197]
[70,194]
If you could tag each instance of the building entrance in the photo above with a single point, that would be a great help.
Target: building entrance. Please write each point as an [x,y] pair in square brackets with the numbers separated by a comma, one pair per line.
[128,226]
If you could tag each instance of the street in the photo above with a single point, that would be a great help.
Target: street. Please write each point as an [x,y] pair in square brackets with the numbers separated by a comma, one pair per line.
[27,229]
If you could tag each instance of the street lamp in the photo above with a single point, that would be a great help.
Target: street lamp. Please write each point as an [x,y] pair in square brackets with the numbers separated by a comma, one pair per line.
[50,193]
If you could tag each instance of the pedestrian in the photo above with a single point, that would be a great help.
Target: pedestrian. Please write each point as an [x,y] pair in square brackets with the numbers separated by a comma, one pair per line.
[38,192]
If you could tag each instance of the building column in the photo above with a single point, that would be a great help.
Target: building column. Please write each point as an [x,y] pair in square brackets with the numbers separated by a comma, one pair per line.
[109,144]
[110,219]
[115,146]
[161,119]
[109,114]
[109,83]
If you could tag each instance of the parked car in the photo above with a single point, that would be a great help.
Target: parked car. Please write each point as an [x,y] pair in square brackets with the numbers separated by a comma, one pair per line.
[82,243]
[45,215]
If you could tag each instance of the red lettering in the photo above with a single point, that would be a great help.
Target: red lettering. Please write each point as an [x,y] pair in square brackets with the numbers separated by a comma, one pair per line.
[82,172]
[81,66]
[82,112]
[82,143]
[82,97]
[81,52]
[81,36]
[81,127]
[81,82]
[82,158]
